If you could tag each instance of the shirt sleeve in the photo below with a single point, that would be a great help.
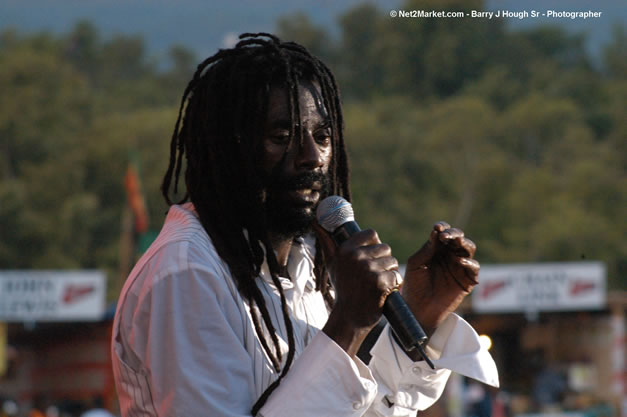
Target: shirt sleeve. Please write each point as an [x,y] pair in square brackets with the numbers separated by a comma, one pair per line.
[324,381]
[405,386]
[186,334]
[183,335]
[189,353]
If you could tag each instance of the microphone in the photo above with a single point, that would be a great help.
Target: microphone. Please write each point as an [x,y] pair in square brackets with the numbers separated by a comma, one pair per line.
[336,216]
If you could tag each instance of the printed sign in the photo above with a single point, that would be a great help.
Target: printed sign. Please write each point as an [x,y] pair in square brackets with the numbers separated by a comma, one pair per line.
[52,295]
[564,286]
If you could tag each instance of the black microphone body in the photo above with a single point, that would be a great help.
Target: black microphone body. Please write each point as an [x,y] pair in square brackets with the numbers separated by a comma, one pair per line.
[408,331]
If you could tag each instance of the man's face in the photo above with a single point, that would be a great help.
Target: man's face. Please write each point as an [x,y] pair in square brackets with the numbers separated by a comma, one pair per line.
[296,172]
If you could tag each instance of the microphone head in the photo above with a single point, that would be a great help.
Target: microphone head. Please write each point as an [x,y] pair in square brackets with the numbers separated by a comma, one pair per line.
[333,212]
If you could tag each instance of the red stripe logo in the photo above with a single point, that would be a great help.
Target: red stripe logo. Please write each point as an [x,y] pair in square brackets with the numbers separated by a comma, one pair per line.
[578,287]
[74,293]
[489,288]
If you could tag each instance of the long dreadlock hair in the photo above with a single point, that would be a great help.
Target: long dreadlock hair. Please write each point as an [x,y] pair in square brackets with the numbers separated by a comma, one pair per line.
[219,130]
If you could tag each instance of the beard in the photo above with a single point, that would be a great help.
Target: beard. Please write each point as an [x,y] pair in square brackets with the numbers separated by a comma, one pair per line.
[286,217]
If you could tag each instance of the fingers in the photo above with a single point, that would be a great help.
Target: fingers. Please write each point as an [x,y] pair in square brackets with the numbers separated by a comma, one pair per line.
[378,258]
[443,236]
[390,280]
[450,234]
[375,258]
[469,246]
[441,226]
[467,272]
[361,272]
[374,251]
[386,263]
[364,246]
[362,238]
[460,245]
[461,252]
[471,267]
[366,242]
[435,236]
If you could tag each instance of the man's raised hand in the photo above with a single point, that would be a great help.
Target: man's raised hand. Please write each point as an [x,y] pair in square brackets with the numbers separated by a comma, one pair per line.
[439,275]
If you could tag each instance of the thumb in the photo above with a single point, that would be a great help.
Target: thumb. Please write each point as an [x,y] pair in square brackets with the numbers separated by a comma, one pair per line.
[425,254]
[326,242]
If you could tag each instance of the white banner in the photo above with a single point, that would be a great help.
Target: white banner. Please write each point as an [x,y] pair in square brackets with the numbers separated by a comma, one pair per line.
[567,286]
[32,295]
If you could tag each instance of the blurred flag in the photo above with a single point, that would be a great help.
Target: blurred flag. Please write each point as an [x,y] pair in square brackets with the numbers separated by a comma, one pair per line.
[3,348]
[135,196]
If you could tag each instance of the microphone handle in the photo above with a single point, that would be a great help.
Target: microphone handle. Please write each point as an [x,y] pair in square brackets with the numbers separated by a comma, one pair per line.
[345,231]
[408,331]
[403,322]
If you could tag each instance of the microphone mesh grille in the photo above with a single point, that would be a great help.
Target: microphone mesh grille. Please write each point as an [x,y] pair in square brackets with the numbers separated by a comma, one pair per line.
[333,212]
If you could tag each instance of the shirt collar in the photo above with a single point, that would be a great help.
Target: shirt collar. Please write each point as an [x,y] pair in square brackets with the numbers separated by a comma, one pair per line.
[300,266]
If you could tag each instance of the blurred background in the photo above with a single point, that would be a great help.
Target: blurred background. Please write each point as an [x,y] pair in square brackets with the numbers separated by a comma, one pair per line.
[514,129]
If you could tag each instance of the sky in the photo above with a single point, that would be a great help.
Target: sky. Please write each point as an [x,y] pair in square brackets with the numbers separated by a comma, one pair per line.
[206,25]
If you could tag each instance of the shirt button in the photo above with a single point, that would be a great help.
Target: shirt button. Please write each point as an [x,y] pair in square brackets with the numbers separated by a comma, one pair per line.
[416,369]
[357,406]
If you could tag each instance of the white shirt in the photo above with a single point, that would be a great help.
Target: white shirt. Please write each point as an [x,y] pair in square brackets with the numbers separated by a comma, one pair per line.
[184,343]
[97,412]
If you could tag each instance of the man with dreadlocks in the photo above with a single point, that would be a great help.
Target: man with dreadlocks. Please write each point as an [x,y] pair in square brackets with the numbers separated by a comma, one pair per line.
[243,305]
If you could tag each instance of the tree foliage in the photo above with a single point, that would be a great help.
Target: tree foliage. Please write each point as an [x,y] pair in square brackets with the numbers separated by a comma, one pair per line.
[516,136]
[72,110]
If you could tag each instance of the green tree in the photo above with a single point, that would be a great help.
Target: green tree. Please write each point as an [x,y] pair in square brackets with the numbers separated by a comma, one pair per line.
[299,28]
[65,134]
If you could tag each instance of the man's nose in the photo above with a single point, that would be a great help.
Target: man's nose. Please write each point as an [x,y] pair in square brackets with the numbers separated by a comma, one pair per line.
[308,153]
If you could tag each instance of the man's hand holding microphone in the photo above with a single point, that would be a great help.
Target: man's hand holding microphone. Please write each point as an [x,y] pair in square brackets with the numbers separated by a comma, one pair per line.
[364,275]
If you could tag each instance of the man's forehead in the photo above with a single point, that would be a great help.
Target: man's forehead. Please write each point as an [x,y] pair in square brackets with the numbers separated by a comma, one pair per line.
[309,95]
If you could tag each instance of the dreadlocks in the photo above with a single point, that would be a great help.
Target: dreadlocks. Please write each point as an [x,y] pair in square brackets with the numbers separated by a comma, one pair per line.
[218,130]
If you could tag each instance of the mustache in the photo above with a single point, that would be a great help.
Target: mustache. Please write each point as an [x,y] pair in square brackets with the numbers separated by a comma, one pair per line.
[300,181]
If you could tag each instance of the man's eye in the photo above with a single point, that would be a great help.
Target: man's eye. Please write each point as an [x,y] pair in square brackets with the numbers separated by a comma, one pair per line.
[323,137]
[280,139]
